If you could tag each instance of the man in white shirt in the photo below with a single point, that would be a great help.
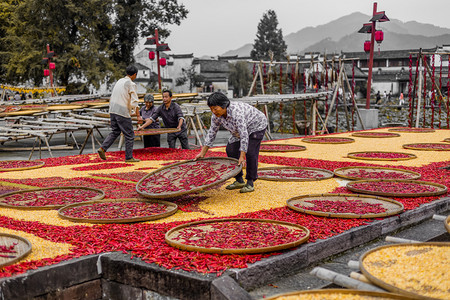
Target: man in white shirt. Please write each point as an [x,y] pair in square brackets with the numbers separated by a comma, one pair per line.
[124,100]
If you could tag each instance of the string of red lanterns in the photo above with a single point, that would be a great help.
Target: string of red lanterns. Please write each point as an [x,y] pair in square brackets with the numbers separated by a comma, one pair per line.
[161,62]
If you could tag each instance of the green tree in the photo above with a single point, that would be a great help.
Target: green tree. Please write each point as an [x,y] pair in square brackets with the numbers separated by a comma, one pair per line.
[93,39]
[268,38]
[240,77]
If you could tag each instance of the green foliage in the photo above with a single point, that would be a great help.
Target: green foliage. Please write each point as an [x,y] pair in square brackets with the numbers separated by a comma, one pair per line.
[240,78]
[93,40]
[269,38]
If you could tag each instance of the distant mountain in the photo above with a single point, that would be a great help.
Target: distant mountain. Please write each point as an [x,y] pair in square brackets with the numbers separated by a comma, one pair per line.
[342,35]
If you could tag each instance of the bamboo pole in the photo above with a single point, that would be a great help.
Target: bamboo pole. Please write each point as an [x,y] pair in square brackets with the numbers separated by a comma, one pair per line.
[419,92]
[345,99]
[354,102]
[360,277]
[261,78]
[343,280]
[338,83]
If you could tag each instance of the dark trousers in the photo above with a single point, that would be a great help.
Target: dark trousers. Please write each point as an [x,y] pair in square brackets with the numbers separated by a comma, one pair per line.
[152,140]
[119,125]
[254,143]
[182,136]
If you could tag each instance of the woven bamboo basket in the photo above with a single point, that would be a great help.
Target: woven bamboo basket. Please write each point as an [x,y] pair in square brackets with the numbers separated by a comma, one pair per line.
[337,294]
[391,206]
[37,164]
[354,156]
[441,189]
[264,174]
[415,146]
[290,148]
[396,276]
[9,108]
[22,247]
[171,209]
[4,203]
[344,172]
[411,130]
[328,140]
[173,169]
[447,140]
[373,134]
[172,234]
[21,113]
[64,107]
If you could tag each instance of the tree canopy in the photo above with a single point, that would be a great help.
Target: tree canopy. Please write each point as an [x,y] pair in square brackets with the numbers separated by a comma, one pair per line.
[269,38]
[93,40]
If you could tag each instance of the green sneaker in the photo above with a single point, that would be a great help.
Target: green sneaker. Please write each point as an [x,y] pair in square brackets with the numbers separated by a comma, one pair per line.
[247,189]
[132,160]
[235,185]
[101,153]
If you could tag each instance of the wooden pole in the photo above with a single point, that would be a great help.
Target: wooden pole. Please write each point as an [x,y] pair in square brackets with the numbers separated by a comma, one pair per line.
[354,102]
[419,92]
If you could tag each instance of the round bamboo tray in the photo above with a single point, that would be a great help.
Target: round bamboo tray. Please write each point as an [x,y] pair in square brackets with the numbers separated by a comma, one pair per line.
[173,239]
[447,140]
[9,165]
[170,181]
[154,131]
[328,140]
[170,209]
[374,134]
[4,202]
[447,223]
[281,148]
[293,174]
[423,146]
[439,189]
[419,271]
[335,294]
[21,246]
[346,172]
[406,156]
[390,206]
[411,130]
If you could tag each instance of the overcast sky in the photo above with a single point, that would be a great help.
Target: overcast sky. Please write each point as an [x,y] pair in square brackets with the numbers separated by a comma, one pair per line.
[213,27]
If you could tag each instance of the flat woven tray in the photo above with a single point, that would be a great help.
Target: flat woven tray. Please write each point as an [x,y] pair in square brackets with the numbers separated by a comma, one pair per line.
[117,211]
[374,134]
[335,294]
[418,271]
[381,155]
[428,146]
[49,198]
[13,248]
[64,107]
[447,140]
[18,165]
[281,148]
[187,177]
[293,174]
[237,236]
[345,205]
[411,130]
[21,112]
[154,131]
[397,188]
[328,140]
[9,108]
[363,172]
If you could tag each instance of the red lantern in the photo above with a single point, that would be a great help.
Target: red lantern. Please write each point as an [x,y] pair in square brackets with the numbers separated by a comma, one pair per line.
[379,35]
[46,72]
[151,55]
[51,66]
[367,46]
[162,62]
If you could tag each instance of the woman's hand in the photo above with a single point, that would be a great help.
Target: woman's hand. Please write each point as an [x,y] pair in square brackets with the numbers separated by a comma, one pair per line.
[241,161]
[202,153]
